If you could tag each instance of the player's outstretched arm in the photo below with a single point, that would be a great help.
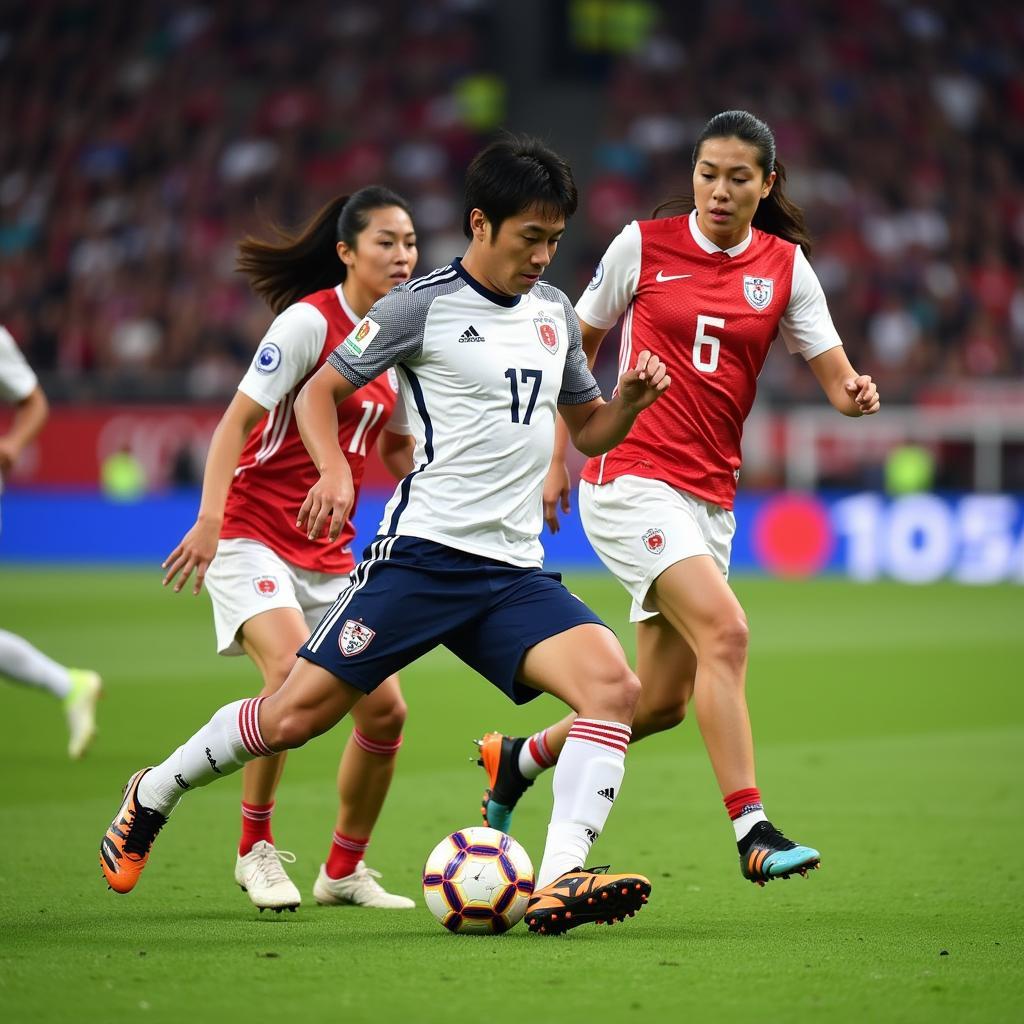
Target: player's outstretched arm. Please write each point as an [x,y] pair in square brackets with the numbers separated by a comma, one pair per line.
[852,393]
[29,417]
[196,549]
[597,427]
[316,413]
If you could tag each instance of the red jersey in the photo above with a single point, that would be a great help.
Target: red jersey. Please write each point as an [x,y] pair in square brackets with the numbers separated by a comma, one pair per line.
[711,315]
[275,471]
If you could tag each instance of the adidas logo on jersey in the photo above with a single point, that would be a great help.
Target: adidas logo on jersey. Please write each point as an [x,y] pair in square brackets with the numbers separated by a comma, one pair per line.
[470,334]
[608,794]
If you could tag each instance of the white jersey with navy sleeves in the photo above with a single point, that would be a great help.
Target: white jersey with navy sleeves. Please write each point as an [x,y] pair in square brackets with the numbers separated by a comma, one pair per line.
[481,375]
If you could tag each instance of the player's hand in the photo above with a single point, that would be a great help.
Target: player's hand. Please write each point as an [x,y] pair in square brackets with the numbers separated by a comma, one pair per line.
[864,393]
[327,505]
[194,551]
[556,494]
[645,383]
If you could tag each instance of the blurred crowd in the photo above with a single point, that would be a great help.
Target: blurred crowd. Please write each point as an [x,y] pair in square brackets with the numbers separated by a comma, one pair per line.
[901,125]
[144,140]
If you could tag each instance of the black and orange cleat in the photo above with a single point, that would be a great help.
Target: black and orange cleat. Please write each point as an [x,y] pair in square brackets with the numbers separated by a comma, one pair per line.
[499,757]
[765,854]
[585,896]
[126,845]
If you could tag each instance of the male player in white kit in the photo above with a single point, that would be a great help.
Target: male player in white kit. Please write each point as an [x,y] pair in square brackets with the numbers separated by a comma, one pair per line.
[485,354]
[78,689]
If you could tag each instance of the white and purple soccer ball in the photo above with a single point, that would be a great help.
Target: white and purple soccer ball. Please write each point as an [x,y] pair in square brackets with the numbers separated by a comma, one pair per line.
[478,881]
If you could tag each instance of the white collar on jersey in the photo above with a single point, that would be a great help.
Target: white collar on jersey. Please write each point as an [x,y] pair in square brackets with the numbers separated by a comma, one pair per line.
[708,246]
[345,306]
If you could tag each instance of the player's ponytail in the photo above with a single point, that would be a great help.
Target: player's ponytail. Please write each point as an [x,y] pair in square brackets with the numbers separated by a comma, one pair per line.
[283,271]
[777,214]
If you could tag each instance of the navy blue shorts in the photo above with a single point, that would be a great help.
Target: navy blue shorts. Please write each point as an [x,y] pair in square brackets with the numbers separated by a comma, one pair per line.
[408,596]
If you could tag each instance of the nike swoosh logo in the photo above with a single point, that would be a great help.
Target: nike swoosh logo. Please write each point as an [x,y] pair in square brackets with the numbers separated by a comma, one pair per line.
[662,276]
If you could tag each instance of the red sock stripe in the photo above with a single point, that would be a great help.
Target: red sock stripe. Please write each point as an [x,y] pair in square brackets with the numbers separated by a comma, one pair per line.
[384,747]
[742,799]
[257,812]
[612,735]
[249,727]
[350,844]
[539,749]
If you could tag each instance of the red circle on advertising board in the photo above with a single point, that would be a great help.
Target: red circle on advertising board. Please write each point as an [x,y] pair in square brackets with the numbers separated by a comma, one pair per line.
[793,536]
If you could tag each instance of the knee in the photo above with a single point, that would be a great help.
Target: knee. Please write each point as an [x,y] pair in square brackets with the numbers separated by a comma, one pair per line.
[615,694]
[384,723]
[660,718]
[292,729]
[730,640]
[275,672]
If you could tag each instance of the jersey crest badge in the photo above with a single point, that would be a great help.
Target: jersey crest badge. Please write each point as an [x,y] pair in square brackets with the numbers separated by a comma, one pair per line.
[595,281]
[547,331]
[654,541]
[354,638]
[758,291]
[266,586]
[268,359]
[356,343]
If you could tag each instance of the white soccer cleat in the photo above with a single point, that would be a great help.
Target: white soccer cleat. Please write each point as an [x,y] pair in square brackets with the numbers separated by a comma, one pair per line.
[80,709]
[360,889]
[260,874]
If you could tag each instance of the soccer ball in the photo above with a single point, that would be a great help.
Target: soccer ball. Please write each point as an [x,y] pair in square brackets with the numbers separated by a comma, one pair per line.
[478,881]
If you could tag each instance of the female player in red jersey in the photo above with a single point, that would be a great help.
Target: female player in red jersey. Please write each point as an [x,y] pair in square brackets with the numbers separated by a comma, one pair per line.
[271,584]
[709,290]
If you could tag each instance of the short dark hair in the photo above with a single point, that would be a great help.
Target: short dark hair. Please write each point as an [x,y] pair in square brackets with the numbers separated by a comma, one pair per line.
[514,173]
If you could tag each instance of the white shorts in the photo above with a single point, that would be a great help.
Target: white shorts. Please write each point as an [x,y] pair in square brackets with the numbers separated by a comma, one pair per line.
[640,527]
[246,578]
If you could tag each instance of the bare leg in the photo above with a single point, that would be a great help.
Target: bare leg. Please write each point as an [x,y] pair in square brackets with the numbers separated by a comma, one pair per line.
[667,668]
[698,603]
[364,776]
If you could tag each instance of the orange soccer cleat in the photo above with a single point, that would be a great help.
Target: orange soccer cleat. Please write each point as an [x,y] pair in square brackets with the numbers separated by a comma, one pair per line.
[499,757]
[585,896]
[126,845]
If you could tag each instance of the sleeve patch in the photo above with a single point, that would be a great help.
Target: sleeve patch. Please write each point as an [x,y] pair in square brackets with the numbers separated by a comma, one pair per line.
[268,358]
[356,343]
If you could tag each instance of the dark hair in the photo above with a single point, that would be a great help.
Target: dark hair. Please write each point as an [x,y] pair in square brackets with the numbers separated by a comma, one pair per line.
[513,174]
[284,271]
[777,214]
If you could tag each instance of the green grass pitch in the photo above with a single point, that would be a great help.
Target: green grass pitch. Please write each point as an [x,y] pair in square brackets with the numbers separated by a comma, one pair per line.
[890,730]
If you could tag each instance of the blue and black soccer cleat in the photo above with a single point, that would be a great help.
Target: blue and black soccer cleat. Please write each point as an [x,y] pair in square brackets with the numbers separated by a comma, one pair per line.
[765,854]
[499,757]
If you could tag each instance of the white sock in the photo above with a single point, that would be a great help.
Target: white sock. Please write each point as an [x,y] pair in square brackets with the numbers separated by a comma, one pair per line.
[229,740]
[586,782]
[745,822]
[534,755]
[23,663]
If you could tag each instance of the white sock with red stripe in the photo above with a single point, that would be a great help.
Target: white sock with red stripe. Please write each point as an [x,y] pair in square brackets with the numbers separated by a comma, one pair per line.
[586,782]
[229,740]
[535,756]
